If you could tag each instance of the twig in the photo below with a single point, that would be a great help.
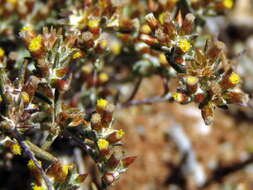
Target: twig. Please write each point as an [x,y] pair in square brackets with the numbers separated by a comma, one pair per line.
[30,154]
[152,100]
[135,90]
[165,85]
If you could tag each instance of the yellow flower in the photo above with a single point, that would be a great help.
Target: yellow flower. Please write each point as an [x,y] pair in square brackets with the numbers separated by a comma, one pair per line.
[93,23]
[87,69]
[102,144]
[115,47]
[102,103]
[38,187]
[103,77]
[163,59]
[191,80]
[228,3]
[234,78]
[177,97]
[15,148]
[31,165]
[26,28]
[184,45]
[120,133]
[1,52]
[161,18]
[35,44]
[77,55]
[25,97]
[12,1]
[146,29]
[65,170]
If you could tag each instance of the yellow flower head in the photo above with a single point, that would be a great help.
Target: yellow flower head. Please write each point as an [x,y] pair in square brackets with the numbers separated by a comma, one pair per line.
[25,97]
[31,165]
[12,1]
[228,4]
[38,187]
[35,44]
[77,55]
[87,69]
[184,45]
[178,97]
[102,144]
[26,28]
[65,170]
[103,77]
[93,23]
[234,78]
[191,80]
[120,133]
[1,52]
[115,47]
[163,59]
[15,148]
[146,29]
[161,18]
[102,103]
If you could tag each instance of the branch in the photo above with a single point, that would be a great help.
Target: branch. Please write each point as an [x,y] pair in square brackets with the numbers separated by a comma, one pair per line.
[30,154]
[152,100]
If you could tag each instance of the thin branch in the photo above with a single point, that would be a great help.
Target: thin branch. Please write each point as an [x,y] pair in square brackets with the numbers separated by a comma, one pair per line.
[30,154]
[165,85]
[152,100]
[135,90]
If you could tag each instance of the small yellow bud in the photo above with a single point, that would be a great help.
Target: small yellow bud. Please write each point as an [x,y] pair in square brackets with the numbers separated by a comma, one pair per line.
[162,59]
[15,149]
[25,97]
[102,144]
[26,28]
[38,187]
[12,1]
[35,44]
[103,77]
[1,99]
[161,18]
[116,47]
[102,103]
[146,29]
[87,69]
[234,78]
[191,80]
[228,4]
[93,23]
[184,45]
[120,133]
[77,55]
[31,165]
[103,43]
[65,170]
[1,52]
[178,97]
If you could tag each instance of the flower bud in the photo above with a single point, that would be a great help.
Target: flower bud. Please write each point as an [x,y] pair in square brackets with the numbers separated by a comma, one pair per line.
[192,84]
[103,146]
[108,179]
[230,79]
[207,113]
[96,121]
[116,136]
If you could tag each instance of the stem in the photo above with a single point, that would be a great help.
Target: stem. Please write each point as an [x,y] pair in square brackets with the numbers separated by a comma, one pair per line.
[30,154]
[152,100]
[135,90]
